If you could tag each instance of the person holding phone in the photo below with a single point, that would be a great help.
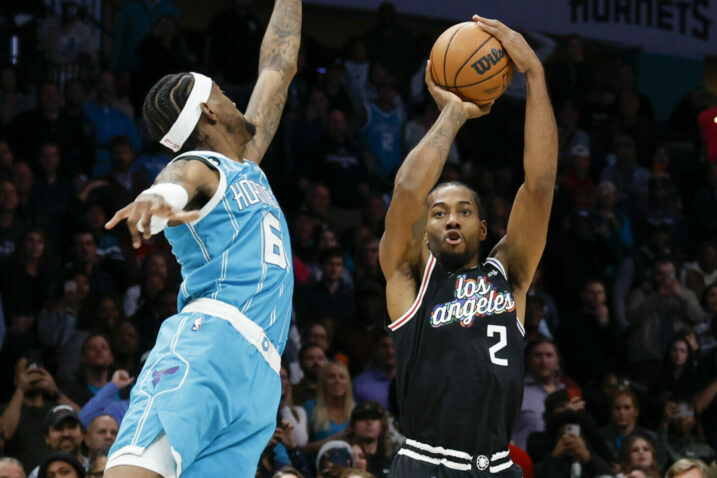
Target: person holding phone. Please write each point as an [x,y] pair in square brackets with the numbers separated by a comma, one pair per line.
[679,436]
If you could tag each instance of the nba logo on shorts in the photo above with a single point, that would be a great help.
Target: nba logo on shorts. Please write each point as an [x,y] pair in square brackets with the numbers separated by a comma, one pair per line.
[197,324]
[482,462]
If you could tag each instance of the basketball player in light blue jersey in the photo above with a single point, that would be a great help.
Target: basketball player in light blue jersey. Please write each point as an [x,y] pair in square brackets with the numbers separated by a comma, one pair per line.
[205,403]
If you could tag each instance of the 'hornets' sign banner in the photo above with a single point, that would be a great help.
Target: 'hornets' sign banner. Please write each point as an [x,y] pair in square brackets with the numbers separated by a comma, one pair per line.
[681,27]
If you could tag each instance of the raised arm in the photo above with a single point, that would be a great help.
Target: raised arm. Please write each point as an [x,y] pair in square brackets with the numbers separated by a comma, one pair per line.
[402,246]
[521,248]
[175,196]
[277,66]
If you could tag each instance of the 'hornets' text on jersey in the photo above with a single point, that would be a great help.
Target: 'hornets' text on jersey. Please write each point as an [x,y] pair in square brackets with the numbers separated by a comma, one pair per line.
[238,251]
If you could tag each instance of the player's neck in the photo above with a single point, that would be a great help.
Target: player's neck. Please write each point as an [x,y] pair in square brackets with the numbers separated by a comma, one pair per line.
[228,147]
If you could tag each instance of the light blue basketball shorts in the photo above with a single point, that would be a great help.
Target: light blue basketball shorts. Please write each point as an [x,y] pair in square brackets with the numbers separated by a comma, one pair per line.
[211,386]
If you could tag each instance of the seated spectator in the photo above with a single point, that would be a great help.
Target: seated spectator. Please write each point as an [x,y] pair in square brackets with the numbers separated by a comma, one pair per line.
[373,384]
[7,159]
[95,363]
[333,458]
[156,265]
[295,415]
[93,218]
[542,378]
[638,451]
[109,122]
[367,266]
[100,271]
[575,452]
[330,296]
[23,179]
[125,346]
[312,359]
[577,180]
[592,342]
[625,410]
[77,135]
[66,39]
[102,313]
[101,433]
[24,421]
[98,461]
[62,464]
[630,178]
[679,381]
[679,433]
[369,427]
[11,468]
[12,100]
[360,461]
[150,316]
[330,412]
[702,273]
[655,311]
[64,433]
[703,210]
[105,401]
[26,280]
[687,468]
[11,226]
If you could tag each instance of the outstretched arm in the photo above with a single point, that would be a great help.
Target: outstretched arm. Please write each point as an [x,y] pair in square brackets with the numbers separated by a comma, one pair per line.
[194,177]
[400,251]
[277,66]
[521,248]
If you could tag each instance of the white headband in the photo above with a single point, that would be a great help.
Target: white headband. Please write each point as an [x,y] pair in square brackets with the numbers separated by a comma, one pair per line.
[190,114]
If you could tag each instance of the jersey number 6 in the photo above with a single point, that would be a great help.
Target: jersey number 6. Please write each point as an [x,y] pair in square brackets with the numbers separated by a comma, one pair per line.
[273,244]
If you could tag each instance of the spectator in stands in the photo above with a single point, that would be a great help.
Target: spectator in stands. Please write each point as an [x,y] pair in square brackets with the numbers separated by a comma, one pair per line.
[52,194]
[12,100]
[101,433]
[639,451]
[687,468]
[542,378]
[105,400]
[11,468]
[64,433]
[630,178]
[24,420]
[125,345]
[77,131]
[65,40]
[85,259]
[369,427]
[655,311]
[312,359]
[702,273]
[679,435]
[154,265]
[577,180]
[109,122]
[98,461]
[150,316]
[572,78]
[368,272]
[625,410]
[373,384]
[30,128]
[317,333]
[11,227]
[330,296]
[26,279]
[330,412]
[679,380]
[62,464]
[294,414]
[592,342]
[391,45]
[703,211]
[93,218]
[23,179]
[96,362]
[7,159]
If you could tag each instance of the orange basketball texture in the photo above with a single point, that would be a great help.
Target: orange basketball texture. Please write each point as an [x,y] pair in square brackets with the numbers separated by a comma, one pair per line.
[471,63]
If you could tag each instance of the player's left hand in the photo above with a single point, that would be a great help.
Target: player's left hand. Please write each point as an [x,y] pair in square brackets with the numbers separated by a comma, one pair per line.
[141,211]
[515,45]
[443,97]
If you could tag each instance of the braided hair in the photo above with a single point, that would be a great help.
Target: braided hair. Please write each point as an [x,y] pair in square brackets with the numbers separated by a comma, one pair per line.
[163,104]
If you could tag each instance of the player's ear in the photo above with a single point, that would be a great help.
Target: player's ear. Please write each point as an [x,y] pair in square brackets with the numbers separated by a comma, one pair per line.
[483,230]
[208,112]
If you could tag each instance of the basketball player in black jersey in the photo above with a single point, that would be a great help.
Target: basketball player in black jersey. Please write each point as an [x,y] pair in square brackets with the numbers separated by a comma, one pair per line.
[456,320]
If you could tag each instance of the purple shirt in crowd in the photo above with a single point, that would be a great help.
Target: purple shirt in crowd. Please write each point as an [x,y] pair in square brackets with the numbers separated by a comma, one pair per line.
[531,412]
[372,385]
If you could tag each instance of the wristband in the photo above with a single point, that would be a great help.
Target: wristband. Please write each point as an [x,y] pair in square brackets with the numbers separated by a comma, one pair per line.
[172,194]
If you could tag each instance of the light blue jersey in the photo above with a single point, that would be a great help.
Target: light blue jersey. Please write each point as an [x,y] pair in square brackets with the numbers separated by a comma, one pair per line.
[382,137]
[238,251]
[211,383]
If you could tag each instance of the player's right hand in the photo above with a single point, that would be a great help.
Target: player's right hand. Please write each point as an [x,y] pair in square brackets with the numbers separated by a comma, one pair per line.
[141,211]
[443,97]
[515,45]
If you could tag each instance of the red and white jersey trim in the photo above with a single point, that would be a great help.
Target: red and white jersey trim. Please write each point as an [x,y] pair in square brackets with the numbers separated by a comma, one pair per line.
[403,320]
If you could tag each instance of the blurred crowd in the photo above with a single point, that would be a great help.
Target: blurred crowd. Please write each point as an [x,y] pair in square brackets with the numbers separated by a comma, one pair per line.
[621,318]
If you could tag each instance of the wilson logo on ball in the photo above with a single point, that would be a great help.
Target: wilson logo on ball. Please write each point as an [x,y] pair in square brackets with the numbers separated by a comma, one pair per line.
[487,62]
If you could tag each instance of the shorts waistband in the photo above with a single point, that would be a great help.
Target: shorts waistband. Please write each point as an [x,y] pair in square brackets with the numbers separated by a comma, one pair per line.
[243,324]
[454,459]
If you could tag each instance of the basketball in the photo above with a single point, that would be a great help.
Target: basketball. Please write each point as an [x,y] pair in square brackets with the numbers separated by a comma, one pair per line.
[471,63]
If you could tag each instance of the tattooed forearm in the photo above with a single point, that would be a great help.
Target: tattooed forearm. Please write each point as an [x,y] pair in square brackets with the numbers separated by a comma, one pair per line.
[280,47]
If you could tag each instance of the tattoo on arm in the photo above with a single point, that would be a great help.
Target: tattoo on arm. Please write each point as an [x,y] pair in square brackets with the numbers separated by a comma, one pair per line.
[172,173]
[280,47]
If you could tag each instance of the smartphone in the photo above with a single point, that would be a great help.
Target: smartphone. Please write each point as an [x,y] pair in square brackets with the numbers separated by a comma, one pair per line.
[34,359]
[572,429]
[685,410]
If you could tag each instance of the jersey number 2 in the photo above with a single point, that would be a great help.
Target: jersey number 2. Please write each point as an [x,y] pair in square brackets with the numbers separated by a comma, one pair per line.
[273,245]
[502,342]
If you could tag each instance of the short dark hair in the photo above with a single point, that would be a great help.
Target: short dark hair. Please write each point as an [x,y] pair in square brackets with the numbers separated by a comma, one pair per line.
[163,104]
[330,253]
[305,348]
[476,196]
[121,140]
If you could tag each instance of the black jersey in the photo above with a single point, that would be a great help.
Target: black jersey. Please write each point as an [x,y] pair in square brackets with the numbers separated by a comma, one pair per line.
[459,352]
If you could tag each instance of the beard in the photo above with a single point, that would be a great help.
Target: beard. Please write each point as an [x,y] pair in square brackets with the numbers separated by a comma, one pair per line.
[453,260]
